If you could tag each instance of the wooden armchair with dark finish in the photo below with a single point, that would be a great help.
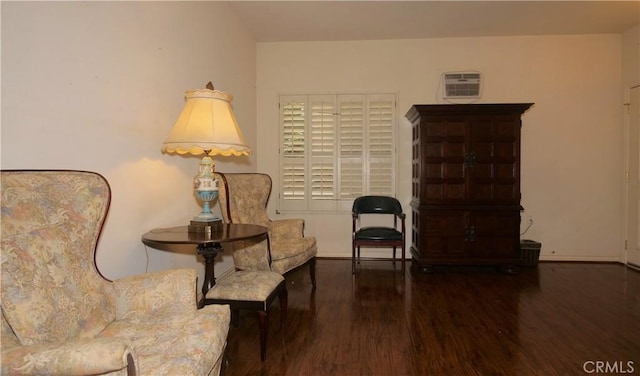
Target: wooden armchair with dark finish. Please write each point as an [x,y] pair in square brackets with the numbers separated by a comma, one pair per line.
[377,236]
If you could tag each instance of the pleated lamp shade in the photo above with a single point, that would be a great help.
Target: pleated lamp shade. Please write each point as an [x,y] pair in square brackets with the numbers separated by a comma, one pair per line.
[206,124]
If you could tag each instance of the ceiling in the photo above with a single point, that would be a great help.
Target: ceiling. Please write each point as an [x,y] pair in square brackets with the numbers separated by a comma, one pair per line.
[279,21]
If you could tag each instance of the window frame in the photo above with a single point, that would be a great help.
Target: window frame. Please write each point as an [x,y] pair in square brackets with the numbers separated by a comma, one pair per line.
[314,122]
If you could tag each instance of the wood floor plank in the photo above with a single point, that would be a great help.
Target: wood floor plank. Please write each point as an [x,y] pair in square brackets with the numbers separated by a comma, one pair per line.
[548,320]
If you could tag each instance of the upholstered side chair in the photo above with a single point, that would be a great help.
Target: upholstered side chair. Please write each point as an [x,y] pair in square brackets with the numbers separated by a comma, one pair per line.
[60,316]
[243,198]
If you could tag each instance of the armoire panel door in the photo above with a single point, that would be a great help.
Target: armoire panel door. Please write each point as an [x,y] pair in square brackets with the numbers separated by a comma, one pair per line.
[494,172]
[444,234]
[496,234]
[443,174]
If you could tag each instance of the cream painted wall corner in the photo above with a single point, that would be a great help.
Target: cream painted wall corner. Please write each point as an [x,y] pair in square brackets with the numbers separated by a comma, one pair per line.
[98,85]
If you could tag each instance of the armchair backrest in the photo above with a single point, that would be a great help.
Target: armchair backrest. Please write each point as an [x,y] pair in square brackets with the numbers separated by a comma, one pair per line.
[243,197]
[51,289]
[376,205]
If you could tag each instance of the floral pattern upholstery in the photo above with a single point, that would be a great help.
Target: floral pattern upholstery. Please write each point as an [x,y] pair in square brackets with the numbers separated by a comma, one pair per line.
[243,198]
[255,286]
[254,290]
[61,317]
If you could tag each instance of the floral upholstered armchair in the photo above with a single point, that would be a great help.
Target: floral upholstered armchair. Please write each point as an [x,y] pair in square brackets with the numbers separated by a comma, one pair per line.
[243,199]
[60,316]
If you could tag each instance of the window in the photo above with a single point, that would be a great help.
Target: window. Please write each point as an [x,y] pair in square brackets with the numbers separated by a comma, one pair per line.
[335,148]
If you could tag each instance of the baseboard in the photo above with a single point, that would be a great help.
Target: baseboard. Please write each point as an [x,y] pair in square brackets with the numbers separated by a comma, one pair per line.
[363,258]
[388,256]
[633,266]
[579,258]
[547,261]
[382,255]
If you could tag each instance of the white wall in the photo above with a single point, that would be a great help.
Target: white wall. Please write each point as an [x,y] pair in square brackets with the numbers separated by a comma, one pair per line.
[98,86]
[630,78]
[631,58]
[571,137]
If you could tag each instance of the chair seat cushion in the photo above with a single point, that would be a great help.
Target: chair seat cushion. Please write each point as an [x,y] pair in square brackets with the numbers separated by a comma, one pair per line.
[245,286]
[378,234]
[162,343]
[282,248]
[286,254]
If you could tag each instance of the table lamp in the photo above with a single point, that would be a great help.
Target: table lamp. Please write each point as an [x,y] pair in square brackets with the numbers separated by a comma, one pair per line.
[206,126]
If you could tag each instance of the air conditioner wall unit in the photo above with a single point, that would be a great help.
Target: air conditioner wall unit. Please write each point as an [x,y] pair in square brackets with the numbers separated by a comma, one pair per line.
[467,84]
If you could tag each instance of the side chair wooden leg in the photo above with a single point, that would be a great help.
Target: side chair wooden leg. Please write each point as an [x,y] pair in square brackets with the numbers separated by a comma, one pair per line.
[312,271]
[235,317]
[403,261]
[263,320]
[225,362]
[394,256]
[353,259]
[283,298]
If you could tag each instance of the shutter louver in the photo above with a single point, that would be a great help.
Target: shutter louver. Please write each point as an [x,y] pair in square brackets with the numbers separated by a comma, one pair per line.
[322,147]
[381,146]
[293,149]
[293,179]
[352,119]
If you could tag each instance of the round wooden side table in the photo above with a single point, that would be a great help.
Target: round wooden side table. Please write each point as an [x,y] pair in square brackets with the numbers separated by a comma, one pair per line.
[208,244]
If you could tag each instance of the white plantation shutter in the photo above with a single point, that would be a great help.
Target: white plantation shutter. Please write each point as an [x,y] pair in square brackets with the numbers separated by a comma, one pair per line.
[352,145]
[293,149]
[322,148]
[335,148]
[381,145]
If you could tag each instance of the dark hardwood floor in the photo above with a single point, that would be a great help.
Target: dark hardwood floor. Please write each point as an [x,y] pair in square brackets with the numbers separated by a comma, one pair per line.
[556,319]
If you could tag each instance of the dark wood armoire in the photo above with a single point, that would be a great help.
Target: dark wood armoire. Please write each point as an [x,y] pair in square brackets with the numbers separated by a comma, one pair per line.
[466,185]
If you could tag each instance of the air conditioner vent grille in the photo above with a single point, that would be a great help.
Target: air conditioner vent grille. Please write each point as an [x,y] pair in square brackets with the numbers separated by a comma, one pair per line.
[462,85]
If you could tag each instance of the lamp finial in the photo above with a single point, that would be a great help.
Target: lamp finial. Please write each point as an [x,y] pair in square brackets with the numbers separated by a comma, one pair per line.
[210,86]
